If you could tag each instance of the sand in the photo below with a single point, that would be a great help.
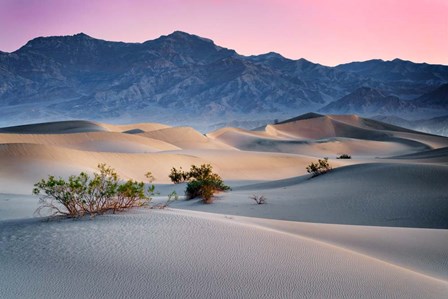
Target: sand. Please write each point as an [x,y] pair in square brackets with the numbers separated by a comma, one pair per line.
[392,195]
[376,226]
[168,254]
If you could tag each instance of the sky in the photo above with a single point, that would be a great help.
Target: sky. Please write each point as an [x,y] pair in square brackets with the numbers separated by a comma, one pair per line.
[329,32]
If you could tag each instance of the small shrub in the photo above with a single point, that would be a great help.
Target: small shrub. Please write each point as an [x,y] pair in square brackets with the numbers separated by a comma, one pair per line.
[202,182]
[259,199]
[171,197]
[178,176]
[82,194]
[193,189]
[344,156]
[322,166]
[207,191]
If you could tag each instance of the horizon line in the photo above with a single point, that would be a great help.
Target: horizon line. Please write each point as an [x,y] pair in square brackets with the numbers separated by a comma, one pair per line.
[206,38]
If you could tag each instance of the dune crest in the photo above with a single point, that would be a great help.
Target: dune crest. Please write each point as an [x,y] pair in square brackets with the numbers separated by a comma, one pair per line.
[375,226]
[281,151]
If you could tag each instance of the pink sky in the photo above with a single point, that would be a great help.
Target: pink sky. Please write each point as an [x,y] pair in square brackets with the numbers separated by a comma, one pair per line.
[329,32]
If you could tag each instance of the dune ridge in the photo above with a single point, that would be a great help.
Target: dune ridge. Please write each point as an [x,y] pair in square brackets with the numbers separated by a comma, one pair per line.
[375,226]
[280,151]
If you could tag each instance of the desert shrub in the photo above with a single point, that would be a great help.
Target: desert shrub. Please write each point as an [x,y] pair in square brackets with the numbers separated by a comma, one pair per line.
[344,156]
[82,194]
[171,197]
[178,176]
[259,199]
[193,189]
[202,182]
[322,166]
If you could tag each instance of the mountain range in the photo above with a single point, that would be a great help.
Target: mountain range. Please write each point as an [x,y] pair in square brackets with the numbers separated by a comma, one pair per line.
[183,78]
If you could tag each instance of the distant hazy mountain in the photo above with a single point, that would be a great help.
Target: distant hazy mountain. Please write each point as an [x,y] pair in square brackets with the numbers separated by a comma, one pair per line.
[435,99]
[183,78]
[369,101]
[404,79]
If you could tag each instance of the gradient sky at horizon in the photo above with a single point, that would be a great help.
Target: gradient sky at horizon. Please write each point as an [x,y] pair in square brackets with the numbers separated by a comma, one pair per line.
[328,32]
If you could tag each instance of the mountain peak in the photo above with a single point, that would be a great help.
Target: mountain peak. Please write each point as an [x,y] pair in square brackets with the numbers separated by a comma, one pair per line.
[271,55]
[80,76]
[183,36]
[180,33]
[82,35]
[183,48]
[52,41]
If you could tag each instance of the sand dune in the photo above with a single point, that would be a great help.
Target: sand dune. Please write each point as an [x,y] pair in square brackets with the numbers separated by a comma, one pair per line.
[25,164]
[409,195]
[93,141]
[369,124]
[160,258]
[242,165]
[432,141]
[371,228]
[317,135]
[134,128]
[185,138]
[418,250]
[331,147]
[323,127]
[80,126]
[350,126]
[439,156]
[60,127]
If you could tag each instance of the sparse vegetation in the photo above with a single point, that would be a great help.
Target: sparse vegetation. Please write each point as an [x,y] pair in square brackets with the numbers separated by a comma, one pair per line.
[259,199]
[178,176]
[202,182]
[84,195]
[344,156]
[322,166]
[171,197]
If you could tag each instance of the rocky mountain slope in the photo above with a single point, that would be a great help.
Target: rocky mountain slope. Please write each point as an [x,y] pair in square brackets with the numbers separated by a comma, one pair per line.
[437,99]
[369,101]
[182,77]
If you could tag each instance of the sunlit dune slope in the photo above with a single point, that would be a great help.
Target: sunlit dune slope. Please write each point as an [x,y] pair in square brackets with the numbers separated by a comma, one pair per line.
[185,138]
[134,128]
[381,194]
[93,141]
[317,135]
[24,164]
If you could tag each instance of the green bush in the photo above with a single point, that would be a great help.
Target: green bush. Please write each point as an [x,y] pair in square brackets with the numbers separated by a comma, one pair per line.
[178,176]
[193,189]
[84,195]
[202,182]
[322,166]
[344,156]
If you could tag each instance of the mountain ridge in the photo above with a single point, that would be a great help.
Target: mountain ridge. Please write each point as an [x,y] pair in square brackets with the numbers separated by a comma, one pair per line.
[369,101]
[78,76]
